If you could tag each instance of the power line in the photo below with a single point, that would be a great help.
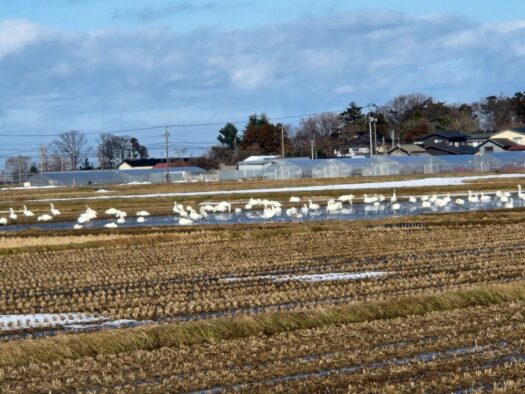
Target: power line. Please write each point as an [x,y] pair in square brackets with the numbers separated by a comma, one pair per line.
[149,128]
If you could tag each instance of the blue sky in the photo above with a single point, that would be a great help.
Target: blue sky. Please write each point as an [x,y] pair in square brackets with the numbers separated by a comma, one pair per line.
[109,65]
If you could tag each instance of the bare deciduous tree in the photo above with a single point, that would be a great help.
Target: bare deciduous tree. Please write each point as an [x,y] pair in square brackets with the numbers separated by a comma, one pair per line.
[71,145]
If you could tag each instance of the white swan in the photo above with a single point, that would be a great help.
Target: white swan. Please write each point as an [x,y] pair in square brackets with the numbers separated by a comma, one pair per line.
[111,211]
[291,212]
[459,201]
[140,219]
[111,225]
[194,215]
[521,195]
[238,210]
[334,207]
[347,198]
[13,216]
[54,211]
[295,199]
[472,198]
[121,220]
[313,206]
[395,207]
[44,218]
[185,221]
[304,210]
[394,197]
[143,213]
[412,199]
[77,226]
[3,221]
[28,213]
[484,198]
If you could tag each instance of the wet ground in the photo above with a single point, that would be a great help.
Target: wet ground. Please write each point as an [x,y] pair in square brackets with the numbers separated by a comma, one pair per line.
[355,212]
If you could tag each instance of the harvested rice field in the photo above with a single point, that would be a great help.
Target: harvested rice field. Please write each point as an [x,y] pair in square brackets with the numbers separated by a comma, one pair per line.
[431,303]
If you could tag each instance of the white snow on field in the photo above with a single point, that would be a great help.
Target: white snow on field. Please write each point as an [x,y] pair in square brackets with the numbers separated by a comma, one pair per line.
[443,181]
[29,187]
[313,277]
[12,322]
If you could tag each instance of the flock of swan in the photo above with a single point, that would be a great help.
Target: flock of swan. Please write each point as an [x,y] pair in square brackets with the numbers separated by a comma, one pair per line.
[187,215]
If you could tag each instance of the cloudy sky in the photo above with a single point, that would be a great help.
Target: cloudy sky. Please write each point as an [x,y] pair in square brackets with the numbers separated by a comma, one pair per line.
[101,65]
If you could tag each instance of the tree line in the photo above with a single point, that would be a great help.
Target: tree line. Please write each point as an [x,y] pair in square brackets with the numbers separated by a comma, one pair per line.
[401,120]
[71,151]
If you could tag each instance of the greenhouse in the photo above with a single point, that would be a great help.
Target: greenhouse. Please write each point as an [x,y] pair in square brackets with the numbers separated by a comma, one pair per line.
[436,165]
[410,164]
[487,162]
[511,160]
[282,169]
[458,163]
[331,168]
[381,165]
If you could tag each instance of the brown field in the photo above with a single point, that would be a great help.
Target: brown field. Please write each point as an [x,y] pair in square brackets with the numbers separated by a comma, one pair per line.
[446,316]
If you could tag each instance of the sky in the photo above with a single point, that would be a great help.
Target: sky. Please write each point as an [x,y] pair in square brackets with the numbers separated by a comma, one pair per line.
[111,65]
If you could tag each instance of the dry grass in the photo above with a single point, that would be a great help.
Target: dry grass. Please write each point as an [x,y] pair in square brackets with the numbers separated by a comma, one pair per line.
[192,333]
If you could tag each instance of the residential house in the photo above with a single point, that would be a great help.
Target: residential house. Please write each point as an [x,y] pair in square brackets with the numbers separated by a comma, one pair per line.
[451,142]
[499,145]
[476,139]
[407,150]
[516,135]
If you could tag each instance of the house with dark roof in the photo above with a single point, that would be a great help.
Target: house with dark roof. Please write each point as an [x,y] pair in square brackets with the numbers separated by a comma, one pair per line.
[446,142]
[499,145]
[407,150]
[147,164]
[476,139]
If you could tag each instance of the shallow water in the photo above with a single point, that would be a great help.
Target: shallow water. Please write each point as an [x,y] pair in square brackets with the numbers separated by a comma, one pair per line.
[355,212]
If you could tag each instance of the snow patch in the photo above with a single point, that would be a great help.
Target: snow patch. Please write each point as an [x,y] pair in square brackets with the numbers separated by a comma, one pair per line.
[103,191]
[444,181]
[12,322]
[330,276]
[29,187]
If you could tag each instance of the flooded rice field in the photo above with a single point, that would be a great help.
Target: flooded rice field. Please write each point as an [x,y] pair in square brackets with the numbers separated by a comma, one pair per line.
[348,212]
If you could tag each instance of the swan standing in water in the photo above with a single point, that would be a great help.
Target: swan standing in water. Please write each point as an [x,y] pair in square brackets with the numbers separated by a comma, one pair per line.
[393,199]
[313,206]
[185,221]
[3,221]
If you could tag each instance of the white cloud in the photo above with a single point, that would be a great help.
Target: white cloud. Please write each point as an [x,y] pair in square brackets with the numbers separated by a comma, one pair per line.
[305,66]
[15,35]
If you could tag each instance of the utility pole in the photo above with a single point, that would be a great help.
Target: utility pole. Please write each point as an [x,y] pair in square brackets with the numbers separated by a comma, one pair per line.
[375,136]
[166,135]
[370,134]
[312,145]
[282,141]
